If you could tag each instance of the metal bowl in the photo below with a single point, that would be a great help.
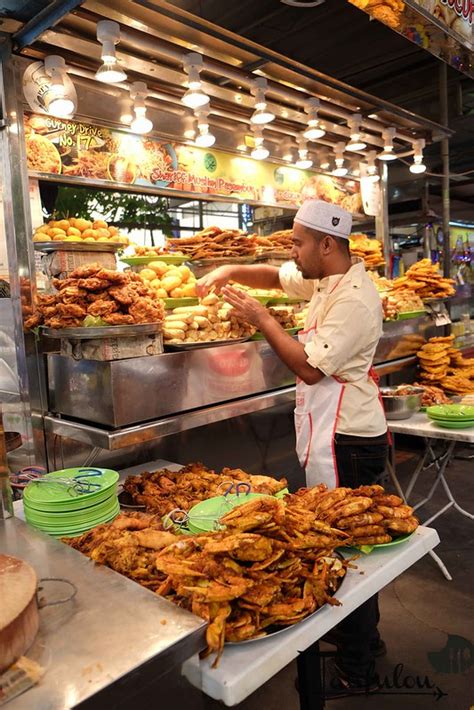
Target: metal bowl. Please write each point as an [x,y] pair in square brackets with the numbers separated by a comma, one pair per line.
[401,406]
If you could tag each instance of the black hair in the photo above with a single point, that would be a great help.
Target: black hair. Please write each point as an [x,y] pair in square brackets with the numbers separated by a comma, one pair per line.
[343,244]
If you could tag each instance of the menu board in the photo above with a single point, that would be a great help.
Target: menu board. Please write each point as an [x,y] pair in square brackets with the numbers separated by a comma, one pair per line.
[81,150]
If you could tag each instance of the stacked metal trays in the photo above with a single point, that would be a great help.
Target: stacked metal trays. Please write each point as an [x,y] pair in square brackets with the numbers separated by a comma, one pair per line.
[62,511]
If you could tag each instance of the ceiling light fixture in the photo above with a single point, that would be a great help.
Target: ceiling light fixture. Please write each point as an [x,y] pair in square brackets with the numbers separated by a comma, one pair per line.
[388,136]
[259,152]
[189,128]
[339,170]
[126,111]
[323,159]
[372,172]
[262,113]
[205,138]
[303,162]
[108,34]
[194,97]
[355,143]
[140,124]
[418,166]
[58,103]
[314,129]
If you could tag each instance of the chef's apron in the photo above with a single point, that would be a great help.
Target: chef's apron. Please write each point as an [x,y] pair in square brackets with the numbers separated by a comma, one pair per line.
[316,417]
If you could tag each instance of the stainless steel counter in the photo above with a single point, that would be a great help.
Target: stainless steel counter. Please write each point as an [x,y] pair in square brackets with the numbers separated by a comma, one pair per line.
[114,635]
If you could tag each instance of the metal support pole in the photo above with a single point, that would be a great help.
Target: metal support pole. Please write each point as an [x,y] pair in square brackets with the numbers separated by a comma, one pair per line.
[444,118]
[382,231]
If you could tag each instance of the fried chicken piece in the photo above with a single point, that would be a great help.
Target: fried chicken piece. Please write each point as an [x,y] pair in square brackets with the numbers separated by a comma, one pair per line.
[69,294]
[93,284]
[85,272]
[46,300]
[60,323]
[119,319]
[102,308]
[72,310]
[124,295]
[49,311]
[115,277]
[144,310]
[33,321]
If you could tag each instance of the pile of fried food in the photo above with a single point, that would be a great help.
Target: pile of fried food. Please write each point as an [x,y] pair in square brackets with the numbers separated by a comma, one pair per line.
[102,296]
[395,303]
[387,11]
[284,315]
[211,320]
[368,515]
[162,491]
[424,278]
[215,243]
[442,363]
[370,250]
[76,229]
[154,251]
[433,395]
[300,316]
[280,242]
[260,292]
[168,280]
[271,566]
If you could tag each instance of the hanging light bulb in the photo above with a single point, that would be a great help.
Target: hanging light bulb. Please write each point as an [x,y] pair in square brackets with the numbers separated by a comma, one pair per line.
[126,111]
[57,102]
[262,113]
[314,129]
[260,152]
[189,131]
[388,136]
[194,97]
[355,143]
[323,158]
[287,151]
[140,124]
[108,34]
[205,138]
[241,142]
[339,170]
[372,172]
[418,166]
[303,162]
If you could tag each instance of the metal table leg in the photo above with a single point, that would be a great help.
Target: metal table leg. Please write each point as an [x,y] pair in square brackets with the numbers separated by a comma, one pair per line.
[310,686]
[395,480]
[441,565]
[453,502]
[445,458]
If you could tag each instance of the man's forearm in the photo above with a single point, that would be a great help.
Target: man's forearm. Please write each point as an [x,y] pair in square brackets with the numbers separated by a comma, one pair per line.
[290,351]
[256,275]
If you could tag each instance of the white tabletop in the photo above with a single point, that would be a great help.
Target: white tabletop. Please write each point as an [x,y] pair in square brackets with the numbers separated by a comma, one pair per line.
[246,667]
[420,425]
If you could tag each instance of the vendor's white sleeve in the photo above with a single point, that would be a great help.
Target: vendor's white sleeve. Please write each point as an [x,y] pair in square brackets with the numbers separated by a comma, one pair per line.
[293,284]
[338,339]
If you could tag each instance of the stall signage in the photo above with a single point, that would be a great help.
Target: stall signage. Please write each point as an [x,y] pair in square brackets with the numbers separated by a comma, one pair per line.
[98,154]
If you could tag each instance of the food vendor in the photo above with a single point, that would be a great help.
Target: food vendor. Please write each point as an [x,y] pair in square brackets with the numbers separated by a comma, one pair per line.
[341,431]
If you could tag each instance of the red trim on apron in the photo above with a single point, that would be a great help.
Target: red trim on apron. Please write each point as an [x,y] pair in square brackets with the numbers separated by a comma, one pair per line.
[376,379]
[310,439]
[334,434]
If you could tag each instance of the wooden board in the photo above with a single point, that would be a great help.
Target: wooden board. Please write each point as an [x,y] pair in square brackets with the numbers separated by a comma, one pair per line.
[19,618]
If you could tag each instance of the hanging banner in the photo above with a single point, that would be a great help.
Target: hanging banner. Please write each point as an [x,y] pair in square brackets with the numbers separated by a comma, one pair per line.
[74,149]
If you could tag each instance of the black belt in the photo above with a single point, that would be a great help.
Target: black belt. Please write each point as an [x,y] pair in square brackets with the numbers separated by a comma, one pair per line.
[348,440]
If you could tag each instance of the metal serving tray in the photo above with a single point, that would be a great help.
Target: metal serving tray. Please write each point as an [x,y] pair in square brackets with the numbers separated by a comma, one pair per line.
[110,331]
[48,247]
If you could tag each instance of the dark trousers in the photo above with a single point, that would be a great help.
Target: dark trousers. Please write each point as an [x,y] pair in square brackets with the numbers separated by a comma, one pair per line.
[360,461]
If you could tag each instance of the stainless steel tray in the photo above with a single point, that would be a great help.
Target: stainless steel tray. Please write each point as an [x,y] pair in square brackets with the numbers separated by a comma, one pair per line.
[48,247]
[205,344]
[110,331]
[223,260]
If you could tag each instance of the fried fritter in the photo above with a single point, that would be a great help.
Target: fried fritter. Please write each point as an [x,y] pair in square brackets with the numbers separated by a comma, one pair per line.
[102,308]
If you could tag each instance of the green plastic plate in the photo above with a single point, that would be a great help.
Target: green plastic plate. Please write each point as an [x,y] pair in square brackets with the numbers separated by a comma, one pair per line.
[143,260]
[204,516]
[66,530]
[179,302]
[451,412]
[410,314]
[260,336]
[447,424]
[73,516]
[51,497]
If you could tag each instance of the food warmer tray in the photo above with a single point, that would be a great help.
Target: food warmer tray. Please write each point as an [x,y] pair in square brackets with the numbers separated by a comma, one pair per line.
[48,247]
[110,331]
[205,344]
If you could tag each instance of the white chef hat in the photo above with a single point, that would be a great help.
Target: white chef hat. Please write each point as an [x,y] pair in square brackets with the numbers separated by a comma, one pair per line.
[325,218]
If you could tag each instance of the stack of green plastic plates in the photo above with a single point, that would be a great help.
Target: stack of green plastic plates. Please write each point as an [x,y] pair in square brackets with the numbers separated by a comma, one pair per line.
[61,510]
[452,416]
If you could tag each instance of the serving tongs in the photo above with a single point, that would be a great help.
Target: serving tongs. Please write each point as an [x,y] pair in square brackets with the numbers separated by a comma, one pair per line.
[76,484]
[180,518]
